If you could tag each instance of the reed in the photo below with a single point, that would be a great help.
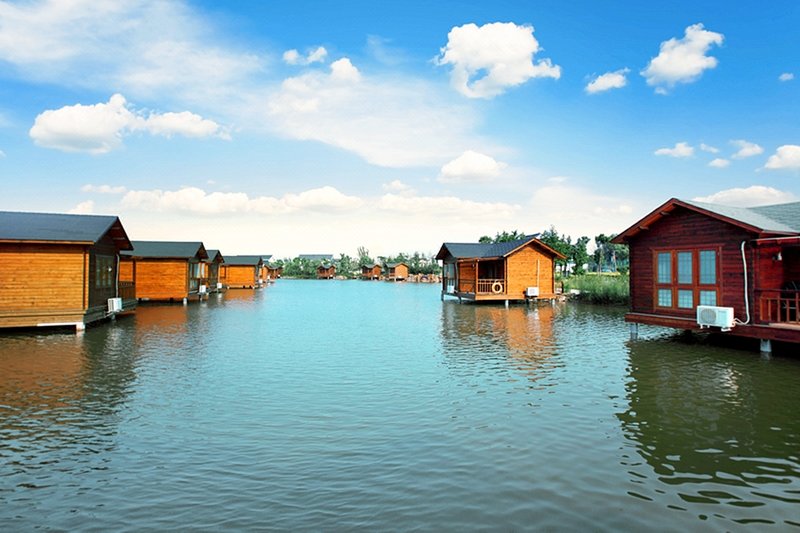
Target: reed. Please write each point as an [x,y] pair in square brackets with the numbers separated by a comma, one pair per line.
[600,288]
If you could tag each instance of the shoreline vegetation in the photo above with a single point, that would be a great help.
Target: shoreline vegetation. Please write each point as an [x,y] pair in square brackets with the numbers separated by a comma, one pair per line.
[599,288]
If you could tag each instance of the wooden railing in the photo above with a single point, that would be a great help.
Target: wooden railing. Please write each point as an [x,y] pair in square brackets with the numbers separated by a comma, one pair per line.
[780,307]
[127,290]
[491,286]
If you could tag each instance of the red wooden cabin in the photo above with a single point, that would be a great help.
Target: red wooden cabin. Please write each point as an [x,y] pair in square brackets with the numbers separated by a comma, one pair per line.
[688,254]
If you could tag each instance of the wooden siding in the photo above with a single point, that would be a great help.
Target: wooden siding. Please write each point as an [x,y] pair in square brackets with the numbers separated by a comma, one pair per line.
[126,269]
[687,230]
[162,279]
[399,272]
[239,276]
[529,267]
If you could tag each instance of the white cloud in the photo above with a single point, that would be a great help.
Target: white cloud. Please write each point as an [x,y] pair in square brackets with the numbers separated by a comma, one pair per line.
[785,157]
[710,149]
[487,60]
[83,208]
[746,149]
[2,154]
[680,149]
[398,187]
[719,163]
[445,206]
[748,196]
[104,189]
[786,76]
[195,200]
[293,57]
[682,60]
[394,123]
[99,128]
[471,166]
[607,81]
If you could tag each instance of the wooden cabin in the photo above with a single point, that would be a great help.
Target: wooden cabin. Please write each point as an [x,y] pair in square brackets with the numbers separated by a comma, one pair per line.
[61,270]
[263,270]
[273,272]
[241,271]
[396,271]
[326,271]
[213,267]
[166,270]
[686,254]
[370,272]
[507,271]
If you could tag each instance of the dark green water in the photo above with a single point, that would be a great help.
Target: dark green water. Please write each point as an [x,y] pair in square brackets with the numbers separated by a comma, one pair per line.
[374,406]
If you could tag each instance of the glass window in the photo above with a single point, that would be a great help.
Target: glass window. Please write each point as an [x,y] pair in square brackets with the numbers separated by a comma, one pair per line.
[665,267]
[708,267]
[708,297]
[685,268]
[685,299]
[664,298]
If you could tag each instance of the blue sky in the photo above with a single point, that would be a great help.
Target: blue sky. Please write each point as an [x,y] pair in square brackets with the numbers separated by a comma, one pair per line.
[317,127]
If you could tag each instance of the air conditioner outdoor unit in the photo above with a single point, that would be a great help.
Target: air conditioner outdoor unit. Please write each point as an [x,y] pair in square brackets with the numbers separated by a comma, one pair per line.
[114,305]
[203,289]
[532,292]
[219,285]
[711,315]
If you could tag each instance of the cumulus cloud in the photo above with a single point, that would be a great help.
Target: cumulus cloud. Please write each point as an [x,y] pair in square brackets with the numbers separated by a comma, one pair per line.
[83,208]
[786,76]
[398,187]
[445,206]
[487,60]
[746,149]
[608,81]
[99,128]
[748,196]
[293,57]
[785,157]
[392,123]
[710,149]
[104,189]
[471,166]
[680,149]
[719,163]
[196,200]
[682,60]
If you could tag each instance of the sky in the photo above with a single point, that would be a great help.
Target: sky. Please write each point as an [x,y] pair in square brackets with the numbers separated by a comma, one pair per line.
[266,127]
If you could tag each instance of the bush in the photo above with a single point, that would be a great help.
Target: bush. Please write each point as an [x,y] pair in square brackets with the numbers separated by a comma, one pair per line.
[600,288]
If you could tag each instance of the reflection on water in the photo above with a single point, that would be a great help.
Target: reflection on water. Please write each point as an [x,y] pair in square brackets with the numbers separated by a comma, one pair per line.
[346,405]
[717,429]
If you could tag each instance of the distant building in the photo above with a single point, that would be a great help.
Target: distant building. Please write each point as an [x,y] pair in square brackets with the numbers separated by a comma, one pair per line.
[61,270]
[396,271]
[326,271]
[166,270]
[213,267]
[372,271]
[241,271]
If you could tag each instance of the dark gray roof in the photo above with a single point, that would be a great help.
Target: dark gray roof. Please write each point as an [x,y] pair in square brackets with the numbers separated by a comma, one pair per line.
[266,257]
[316,257]
[253,260]
[212,255]
[164,249]
[394,265]
[782,218]
[18,226]
[480,250]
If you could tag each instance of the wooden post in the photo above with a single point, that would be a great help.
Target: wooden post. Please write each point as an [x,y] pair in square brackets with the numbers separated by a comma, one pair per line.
[634,327]
[476,280]
[766,347]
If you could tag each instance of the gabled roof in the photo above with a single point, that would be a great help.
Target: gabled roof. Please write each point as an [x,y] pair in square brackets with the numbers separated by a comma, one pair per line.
[781,219]
[325,266]
[168,249]
[248,260]
[316,257]
[215,256]
[395,265]
[84,229]
[373,265]
[491,250]
[266,257]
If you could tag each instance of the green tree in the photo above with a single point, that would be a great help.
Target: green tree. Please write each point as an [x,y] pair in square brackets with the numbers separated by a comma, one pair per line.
[346,266]
[364,259]
[505,236]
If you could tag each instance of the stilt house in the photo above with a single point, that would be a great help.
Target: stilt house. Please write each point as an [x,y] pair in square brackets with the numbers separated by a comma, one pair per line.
[326,271]
[396,271]
[241,271]
[371,271]
[58,270]
[166,270]
[733,269]
[213,267]
[508,271]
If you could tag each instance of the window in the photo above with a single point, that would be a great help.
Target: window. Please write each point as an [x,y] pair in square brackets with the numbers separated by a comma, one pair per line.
[686,278]
[104,271]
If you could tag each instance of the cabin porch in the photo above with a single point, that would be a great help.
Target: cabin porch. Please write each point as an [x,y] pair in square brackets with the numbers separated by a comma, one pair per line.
[478,280]
[777,274]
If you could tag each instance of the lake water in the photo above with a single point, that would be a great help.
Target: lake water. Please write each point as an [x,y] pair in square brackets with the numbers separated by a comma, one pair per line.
[328,405]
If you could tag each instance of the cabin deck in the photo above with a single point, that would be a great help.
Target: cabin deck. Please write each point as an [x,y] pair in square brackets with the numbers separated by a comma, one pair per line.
[771,331]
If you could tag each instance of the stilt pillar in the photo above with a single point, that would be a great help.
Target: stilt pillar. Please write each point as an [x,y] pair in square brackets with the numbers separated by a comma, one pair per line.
[766,347]
[634,331]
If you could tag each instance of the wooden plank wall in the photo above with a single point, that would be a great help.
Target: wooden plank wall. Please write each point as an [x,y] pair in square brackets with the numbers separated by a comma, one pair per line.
[521,271]
[162,279]
[41,281]
[240,276]
[401,272]
[685,229]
